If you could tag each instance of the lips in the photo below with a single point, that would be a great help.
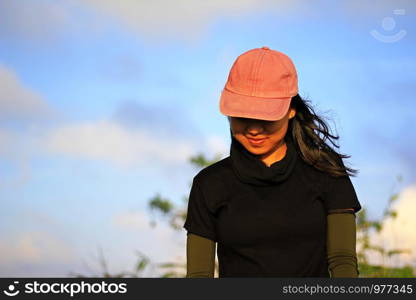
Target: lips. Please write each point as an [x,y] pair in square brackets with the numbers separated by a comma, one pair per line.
[256,141]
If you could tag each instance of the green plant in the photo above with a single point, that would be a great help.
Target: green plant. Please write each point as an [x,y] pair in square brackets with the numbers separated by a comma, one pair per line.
[367,227]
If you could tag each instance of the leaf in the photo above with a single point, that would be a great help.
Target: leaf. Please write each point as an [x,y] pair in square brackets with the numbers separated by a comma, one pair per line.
[164,205]
[398,251]
[393,214]
[201,161]
[394,197]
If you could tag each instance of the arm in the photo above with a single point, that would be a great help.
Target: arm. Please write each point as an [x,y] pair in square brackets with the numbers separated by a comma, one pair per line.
[341,243]
[200,257]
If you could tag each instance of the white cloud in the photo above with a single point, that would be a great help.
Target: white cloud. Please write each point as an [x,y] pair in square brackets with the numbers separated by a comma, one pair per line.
[19,105]
[217,145]
[105,140]
[43,20]
[186,19]
[161,243]
[34,247]
[182,18]
[12,150]
[18,102]
[7,140]
[136,221]
[366,8]
[48,20]
[400,232]
[102,140]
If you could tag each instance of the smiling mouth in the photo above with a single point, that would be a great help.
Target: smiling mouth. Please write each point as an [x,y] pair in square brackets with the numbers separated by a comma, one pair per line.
[256,141]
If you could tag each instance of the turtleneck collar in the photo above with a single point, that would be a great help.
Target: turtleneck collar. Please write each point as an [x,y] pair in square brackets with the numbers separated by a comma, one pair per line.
[250,169]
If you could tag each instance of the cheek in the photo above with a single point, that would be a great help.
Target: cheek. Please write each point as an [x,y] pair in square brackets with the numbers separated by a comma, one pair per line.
[278,129]
[278,134]
[236,127]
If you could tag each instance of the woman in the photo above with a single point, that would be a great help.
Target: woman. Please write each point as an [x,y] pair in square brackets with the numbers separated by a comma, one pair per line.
[282,204]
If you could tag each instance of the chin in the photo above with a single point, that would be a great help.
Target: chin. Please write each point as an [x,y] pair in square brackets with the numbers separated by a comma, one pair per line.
[256,150]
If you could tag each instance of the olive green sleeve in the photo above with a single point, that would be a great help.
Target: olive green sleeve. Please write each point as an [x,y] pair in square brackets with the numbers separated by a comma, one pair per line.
[341,243]
[200,257]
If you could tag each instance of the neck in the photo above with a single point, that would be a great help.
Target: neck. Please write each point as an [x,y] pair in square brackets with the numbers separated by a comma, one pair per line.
[276,154]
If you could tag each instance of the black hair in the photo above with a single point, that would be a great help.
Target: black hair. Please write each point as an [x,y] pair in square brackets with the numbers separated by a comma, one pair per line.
[311,133]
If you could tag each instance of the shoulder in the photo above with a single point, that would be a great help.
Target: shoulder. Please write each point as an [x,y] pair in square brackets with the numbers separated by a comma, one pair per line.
[219,171]
[310,175]
[212,183]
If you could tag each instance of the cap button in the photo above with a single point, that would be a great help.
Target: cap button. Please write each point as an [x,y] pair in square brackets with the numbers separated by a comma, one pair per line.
[265,48]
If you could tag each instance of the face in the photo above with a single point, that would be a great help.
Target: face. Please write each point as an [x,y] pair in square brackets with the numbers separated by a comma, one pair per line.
[260,137]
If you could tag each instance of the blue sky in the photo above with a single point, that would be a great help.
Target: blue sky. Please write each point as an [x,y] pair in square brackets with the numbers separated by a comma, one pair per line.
[103,102]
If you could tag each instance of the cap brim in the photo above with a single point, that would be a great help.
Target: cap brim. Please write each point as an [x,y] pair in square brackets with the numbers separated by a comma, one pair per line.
[270,109]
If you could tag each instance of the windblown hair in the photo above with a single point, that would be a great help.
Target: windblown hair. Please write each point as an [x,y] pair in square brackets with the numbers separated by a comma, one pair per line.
[310,134]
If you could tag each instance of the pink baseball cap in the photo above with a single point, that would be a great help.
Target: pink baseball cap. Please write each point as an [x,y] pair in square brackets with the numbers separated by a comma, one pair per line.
[260,85]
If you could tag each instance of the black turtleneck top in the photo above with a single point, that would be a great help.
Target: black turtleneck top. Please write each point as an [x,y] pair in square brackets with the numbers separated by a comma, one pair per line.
[267,221]
[251,170]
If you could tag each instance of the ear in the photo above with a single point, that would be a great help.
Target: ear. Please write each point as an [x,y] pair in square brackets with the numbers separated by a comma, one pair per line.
[292,112]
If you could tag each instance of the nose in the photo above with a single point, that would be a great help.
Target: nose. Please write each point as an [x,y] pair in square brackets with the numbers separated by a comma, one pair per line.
[254,128]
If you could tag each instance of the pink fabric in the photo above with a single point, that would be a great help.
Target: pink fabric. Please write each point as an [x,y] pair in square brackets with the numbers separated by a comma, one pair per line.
[260,85]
